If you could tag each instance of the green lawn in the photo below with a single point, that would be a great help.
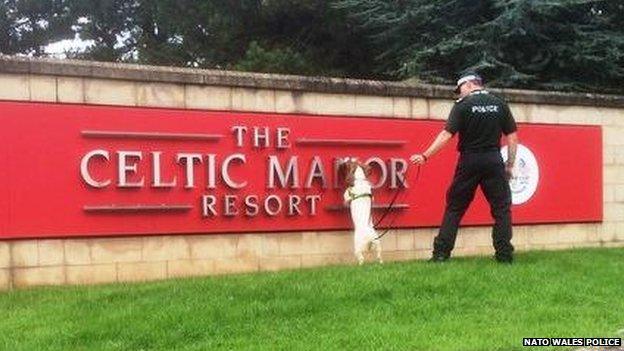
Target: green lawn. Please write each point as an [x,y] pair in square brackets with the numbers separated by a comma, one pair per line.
[466,304]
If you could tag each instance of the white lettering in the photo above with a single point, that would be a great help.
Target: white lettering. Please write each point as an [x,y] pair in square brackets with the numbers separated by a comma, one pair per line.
[282,138]
[398,167]
[261,135]
[189,160]
[211,165]
[312,200]
[239,131]
[484,108]
[230,206]
[316,171]
[382,168]
[293,205]
[156,173]
[225,173]
[267,205]
[208,203]
[291,176]
[84,169]
[251,204]
[124,169]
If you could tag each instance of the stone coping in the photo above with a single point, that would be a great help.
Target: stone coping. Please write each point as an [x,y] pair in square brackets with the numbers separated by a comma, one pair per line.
[146,73]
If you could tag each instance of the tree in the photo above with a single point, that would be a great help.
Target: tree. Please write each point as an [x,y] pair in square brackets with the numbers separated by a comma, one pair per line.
[560,44]
[302,37]
[26,26]
[539,44]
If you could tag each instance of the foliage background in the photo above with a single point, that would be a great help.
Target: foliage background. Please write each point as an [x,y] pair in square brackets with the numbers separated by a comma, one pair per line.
[569,45]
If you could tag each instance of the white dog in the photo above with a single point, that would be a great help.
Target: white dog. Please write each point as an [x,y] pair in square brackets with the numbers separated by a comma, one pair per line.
[359,197]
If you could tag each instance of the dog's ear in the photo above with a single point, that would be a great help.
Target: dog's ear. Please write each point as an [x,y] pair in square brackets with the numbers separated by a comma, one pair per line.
[368,170]
[345,175]
[350,175]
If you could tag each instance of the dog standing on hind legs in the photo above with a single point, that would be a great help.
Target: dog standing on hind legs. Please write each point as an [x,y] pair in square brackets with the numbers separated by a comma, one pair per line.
[359,197]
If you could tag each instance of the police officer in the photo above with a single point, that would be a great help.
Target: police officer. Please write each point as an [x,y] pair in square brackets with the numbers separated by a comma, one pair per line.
[480,118]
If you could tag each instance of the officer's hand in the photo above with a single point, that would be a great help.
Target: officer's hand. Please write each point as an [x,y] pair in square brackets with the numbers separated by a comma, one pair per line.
[417,159]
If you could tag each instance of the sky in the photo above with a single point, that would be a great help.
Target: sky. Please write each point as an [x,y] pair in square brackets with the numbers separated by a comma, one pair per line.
[58,49]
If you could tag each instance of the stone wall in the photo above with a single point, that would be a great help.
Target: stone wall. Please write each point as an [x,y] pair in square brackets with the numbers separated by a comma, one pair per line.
[102,260]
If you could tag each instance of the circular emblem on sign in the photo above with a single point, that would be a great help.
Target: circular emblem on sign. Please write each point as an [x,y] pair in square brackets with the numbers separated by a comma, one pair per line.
[525,175]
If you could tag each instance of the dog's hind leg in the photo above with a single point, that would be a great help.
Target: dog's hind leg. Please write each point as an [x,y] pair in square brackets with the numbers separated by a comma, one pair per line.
[360,257]
[358,249]
[377,245]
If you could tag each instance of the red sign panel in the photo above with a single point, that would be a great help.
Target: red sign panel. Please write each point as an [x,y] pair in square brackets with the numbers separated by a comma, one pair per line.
[77,170]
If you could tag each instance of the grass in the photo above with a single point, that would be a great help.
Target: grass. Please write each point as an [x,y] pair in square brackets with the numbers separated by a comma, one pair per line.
[466,304]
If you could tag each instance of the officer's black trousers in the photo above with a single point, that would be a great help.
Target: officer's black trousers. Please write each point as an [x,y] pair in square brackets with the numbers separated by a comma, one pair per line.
[485,169]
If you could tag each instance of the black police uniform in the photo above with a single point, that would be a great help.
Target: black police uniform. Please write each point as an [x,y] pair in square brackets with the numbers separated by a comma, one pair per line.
[480,118]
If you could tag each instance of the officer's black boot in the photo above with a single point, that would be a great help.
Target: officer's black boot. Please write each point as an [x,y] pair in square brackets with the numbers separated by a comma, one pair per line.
[508,259]
[441,252]
[438,258]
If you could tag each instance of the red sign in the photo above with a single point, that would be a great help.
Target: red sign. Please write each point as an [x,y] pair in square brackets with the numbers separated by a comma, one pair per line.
[84,170]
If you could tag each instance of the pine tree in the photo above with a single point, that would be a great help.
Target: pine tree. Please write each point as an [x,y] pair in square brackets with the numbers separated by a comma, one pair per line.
[560,44]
